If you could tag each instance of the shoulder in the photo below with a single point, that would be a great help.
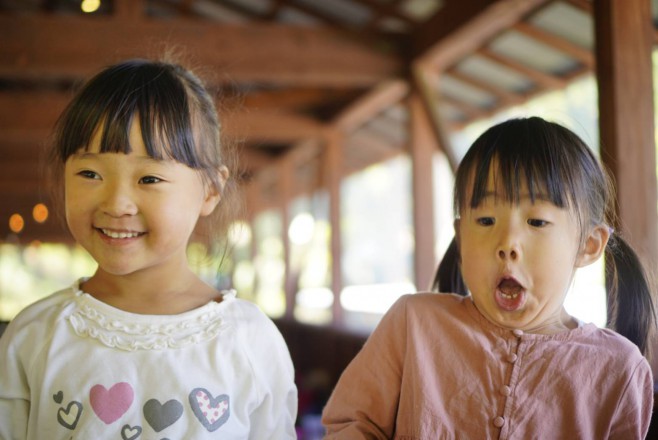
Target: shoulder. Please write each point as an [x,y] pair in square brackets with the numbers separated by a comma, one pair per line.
[609,344]
[43,312]
[257,331]
[247,316]
[430,305]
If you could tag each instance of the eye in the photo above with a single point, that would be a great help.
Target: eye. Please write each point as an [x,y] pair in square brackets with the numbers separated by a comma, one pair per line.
[485,221]
[537,223]
[149,180]
[88,174]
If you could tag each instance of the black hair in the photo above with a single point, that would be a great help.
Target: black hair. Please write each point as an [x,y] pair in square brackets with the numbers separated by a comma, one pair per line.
[557,165]
[448,277]
[177,116]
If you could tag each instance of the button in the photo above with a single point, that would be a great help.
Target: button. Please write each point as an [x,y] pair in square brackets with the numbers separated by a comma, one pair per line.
[505,390]
[517,332]
[498,422]
[512,357]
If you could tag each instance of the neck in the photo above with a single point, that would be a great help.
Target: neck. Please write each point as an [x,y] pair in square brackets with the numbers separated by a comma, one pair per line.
[153,292]
[562,323]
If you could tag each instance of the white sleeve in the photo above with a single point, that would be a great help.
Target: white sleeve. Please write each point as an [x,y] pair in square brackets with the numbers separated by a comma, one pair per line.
[274,416]
[14,389]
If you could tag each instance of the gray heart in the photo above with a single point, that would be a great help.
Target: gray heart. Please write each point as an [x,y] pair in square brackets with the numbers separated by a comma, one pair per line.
[160,416]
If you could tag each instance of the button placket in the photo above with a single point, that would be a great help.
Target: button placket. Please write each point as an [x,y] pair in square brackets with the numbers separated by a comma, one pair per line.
[506,390]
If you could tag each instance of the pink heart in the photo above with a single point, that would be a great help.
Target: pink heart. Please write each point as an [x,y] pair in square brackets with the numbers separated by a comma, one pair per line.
[111,404]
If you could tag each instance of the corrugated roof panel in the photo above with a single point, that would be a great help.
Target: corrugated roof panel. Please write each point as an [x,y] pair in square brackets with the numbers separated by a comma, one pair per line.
[532,53]
[451,113]
[567,22]
[420,10]
[259,6]
[493,73]
[294,16]
[345,10]
[461,91]
[218,12]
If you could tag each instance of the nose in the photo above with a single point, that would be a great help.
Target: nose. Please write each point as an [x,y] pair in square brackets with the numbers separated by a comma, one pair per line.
[508,254]
[509,248]
[118,200]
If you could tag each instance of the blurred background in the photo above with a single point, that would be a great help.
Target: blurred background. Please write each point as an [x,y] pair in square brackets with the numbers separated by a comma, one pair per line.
[350,117]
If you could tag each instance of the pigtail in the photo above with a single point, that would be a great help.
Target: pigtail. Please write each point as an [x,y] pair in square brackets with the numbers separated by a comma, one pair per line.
[631,310]
[448,278]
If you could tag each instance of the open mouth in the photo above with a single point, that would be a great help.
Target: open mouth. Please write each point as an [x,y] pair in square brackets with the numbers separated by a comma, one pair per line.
[510,294]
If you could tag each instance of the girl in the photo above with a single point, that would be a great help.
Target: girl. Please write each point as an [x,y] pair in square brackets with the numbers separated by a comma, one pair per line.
[507,361]
[143,348]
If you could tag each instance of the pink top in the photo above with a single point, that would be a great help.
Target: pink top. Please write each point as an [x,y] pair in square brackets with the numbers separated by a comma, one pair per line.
[436,368]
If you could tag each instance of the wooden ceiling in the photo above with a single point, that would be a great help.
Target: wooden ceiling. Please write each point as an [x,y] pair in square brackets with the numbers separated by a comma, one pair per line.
[287,72]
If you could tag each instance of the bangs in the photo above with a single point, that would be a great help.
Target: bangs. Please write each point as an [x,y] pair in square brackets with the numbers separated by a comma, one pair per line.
[518,152]
[111,100]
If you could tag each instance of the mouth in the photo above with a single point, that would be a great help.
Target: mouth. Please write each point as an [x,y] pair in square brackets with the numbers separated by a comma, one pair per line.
[510,294]
[120,235]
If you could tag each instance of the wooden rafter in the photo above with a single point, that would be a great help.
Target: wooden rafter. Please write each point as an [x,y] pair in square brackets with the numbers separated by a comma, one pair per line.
[541,79]
[380,98]
[460,28]
[584,56]
[39,47]
[503,96]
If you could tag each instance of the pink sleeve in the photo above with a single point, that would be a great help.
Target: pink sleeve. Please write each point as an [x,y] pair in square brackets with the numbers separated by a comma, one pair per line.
[365,401]
[633,413]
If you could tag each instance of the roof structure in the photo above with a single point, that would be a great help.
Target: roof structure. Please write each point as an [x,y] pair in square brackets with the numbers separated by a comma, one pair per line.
[291,76]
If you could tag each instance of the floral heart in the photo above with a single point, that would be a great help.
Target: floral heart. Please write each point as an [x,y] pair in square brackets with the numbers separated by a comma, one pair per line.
[211,411]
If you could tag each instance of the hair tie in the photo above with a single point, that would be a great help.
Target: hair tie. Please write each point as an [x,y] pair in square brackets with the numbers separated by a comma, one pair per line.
[611,230]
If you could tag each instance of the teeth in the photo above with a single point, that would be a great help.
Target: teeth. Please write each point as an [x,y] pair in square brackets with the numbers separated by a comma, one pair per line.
[509,295]
[113,234]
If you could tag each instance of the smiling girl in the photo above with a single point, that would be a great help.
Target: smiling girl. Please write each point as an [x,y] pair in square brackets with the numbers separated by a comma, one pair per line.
[507,361]
[143,347]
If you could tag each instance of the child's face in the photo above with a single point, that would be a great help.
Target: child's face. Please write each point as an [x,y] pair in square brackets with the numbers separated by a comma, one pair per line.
[518,260]
[129,211]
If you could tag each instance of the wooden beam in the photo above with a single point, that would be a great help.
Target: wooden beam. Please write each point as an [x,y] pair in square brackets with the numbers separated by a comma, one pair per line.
[130,10]
[297,97]
[31,116]
[461,27]
[40,47]
[377,100]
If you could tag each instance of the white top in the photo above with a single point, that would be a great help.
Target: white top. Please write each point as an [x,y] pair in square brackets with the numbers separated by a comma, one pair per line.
[72,367]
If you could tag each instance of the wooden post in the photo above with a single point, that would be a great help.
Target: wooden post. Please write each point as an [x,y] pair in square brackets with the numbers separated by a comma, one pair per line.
[422,146]
[624,43]
[333,173]
[286,173]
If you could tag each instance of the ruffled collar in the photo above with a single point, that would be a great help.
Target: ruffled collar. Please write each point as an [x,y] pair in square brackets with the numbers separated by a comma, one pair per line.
[116,328]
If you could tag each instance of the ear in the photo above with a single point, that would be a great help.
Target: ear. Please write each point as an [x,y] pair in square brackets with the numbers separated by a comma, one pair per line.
[213,194]
[594,246]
